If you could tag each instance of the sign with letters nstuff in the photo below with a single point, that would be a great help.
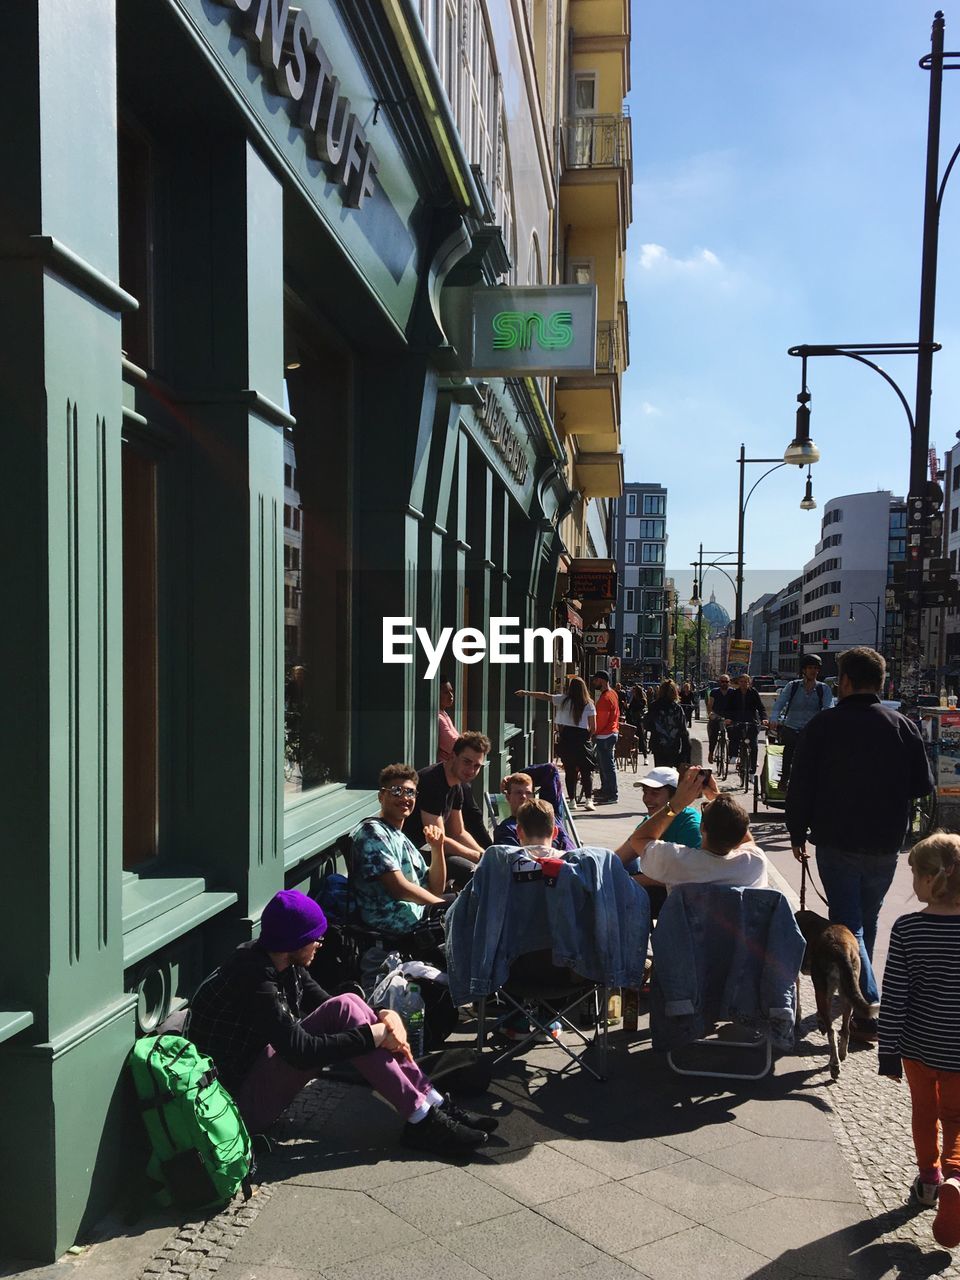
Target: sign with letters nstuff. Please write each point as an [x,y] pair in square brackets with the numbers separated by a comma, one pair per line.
[534,330]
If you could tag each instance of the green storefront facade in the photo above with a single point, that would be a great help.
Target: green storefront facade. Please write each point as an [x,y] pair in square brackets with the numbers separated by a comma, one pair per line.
[237,436]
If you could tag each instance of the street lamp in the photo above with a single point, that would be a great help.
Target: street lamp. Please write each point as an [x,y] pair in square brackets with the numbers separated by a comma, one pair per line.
[924,348]
[696,600]
[808,504]
[801,451]
[869,606]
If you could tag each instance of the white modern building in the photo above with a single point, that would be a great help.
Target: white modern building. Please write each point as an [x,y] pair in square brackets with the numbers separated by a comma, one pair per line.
[639,546]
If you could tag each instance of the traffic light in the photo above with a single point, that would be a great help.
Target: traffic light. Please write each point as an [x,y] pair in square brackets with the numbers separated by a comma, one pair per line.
[796,645]
[825,643]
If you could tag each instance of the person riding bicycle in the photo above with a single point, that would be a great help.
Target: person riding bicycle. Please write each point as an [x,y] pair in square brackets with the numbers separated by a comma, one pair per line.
[716,703]
[798,702]
[743,713]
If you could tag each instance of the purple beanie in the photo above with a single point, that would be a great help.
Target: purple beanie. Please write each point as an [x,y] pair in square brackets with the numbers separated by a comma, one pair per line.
[290,920]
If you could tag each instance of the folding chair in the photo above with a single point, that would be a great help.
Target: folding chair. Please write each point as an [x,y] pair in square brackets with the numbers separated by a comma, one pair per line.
[543,993]
[773,944]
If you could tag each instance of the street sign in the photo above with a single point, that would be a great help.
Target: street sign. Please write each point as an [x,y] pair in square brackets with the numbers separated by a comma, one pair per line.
[614,664]
[533,329]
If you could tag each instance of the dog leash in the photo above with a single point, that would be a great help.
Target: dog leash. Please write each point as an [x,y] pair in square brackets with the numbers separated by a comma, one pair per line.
[803,887]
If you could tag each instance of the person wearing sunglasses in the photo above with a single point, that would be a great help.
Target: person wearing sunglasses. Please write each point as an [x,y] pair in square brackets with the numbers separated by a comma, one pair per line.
[392,883]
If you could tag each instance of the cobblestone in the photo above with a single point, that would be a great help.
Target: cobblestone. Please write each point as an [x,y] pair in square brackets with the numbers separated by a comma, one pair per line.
[870,1118]
[198,1249]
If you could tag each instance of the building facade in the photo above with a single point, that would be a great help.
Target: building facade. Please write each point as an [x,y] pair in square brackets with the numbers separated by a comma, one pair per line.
[639,540]
[844,584]
[244,433]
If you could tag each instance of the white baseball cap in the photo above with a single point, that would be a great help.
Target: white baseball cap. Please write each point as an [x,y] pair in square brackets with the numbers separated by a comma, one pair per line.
[664,777]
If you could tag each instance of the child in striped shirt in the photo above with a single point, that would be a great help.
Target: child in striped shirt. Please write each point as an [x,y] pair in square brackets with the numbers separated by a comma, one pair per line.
[920,1026]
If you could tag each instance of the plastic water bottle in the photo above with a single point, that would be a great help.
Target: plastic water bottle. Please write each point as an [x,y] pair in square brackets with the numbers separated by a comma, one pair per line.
[412,1013]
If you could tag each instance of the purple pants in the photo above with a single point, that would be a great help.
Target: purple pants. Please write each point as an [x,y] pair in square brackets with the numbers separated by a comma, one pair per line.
[271,1084]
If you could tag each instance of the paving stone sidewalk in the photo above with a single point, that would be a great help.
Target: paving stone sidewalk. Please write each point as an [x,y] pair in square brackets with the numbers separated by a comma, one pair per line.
[647,1174]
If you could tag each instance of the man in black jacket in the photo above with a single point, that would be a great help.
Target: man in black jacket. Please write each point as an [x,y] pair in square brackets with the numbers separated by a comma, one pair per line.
[270,1029]
[743,712]
[857,769]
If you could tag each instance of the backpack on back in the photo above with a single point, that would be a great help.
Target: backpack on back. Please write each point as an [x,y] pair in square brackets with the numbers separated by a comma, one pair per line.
[201,1149]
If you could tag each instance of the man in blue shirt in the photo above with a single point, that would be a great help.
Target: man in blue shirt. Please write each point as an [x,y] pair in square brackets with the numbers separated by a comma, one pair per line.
[798,703]
[658,790]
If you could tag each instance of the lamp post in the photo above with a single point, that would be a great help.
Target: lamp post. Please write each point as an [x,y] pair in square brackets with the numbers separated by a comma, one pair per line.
[919,507]
[808,504]
[875,610]
[696,600]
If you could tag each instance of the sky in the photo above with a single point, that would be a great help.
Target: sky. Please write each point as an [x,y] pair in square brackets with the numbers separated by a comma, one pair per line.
[779,154]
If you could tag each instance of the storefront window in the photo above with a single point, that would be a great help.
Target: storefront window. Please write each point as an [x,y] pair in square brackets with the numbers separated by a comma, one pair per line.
[316,557]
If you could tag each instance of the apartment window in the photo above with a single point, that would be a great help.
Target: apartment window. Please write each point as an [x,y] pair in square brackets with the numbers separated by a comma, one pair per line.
[650,529]
[650,577]
[956,477]
[653,601]
[628,600]
[652,648]
[652,552]
[898,546]
[631,504]
[585,93]
[628,646]
[291,557]
[581,272]
[954,518]
[653,624]
[898,520]
[654,504]
[631,552]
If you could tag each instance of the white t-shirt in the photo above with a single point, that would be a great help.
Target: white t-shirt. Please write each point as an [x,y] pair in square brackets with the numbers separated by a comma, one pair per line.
[564,715]
[674,864]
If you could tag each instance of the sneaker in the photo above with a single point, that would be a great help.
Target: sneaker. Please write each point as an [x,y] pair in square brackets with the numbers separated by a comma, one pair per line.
[864,1030]
[589,806]
[486,1124]
[607,799]
[946,1225]
[515,1027]
[555,1030]
[440,1134]
[924,1193]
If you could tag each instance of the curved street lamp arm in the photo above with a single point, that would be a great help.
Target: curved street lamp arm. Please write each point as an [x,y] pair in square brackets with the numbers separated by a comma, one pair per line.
[946,174]
[858,351]
[886,377]
[763,477]
[723,571]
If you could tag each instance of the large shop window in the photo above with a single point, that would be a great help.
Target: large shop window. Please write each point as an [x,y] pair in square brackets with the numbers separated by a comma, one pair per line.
[140,657]
[316,560]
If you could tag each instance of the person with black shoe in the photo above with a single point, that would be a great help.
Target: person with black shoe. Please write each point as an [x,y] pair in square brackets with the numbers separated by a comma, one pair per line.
[271,1029]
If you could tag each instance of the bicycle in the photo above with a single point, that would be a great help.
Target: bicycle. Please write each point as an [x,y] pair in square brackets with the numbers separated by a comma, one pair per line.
[746,766]
[721,754]
[923,817]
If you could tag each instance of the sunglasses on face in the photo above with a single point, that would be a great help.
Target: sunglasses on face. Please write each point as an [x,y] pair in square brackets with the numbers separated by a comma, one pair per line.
[403,793]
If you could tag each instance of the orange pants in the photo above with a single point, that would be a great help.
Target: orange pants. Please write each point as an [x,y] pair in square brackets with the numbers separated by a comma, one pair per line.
[936,1097]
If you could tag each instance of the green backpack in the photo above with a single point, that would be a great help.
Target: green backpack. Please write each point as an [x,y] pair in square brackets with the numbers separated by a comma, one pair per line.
[201,1148]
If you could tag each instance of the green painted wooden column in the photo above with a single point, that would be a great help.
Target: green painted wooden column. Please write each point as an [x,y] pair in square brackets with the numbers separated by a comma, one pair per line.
[224,329]
[395,406]
[60,746]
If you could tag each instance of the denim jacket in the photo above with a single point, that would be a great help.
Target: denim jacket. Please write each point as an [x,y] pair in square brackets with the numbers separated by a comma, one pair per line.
[724,953]
[595,919]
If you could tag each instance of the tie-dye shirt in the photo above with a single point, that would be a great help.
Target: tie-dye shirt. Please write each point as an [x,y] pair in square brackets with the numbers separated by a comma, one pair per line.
[377,848]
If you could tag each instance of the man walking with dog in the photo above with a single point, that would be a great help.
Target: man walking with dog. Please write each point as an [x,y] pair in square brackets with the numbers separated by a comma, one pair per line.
[856,771]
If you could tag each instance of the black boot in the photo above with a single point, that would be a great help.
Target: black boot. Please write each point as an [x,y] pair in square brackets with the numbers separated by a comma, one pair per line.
[486,1124]
[441,1135]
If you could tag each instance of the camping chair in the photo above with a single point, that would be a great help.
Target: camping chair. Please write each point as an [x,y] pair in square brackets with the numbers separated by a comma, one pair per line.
[498,809]
[743,970]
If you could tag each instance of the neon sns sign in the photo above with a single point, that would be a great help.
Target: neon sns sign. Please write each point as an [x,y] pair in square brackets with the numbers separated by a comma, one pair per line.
[470,645]
[515,330]
[296,66]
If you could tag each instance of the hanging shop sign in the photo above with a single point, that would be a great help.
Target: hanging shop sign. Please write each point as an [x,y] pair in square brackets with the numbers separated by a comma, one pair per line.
[592,580]
[533,330]
[296,65]
[574,621]
[596,641]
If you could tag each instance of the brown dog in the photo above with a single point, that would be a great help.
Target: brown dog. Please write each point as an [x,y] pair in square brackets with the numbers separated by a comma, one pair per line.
[833,961]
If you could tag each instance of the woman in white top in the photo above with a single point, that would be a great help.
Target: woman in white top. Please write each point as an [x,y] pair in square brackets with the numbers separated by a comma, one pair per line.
[575,717]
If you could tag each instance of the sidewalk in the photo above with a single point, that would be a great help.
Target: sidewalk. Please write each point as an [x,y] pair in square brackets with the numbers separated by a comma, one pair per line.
[648,1174]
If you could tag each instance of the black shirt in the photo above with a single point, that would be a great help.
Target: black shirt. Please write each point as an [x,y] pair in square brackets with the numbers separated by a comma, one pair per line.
[436,795]
[743,707]
[248,1004]
[857,768]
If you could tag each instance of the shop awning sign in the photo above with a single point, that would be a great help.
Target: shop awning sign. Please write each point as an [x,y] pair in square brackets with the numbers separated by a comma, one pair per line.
[595,583]
[533,330]
[596,641]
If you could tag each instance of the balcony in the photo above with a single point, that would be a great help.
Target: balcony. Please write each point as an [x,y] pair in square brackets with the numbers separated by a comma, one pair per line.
[588,405]
[599,474]
[595,187]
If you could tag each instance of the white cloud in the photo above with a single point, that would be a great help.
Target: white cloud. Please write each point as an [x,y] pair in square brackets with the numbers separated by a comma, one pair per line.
[650,410]
[655,257]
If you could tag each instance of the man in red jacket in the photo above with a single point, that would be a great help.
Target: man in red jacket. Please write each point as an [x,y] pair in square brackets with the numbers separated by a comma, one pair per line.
[608,726]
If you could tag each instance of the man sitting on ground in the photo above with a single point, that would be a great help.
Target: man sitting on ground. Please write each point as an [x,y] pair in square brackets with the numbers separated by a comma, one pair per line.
[518,788]
[270,1029]
[392,882]
[445,800]
[727,854]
